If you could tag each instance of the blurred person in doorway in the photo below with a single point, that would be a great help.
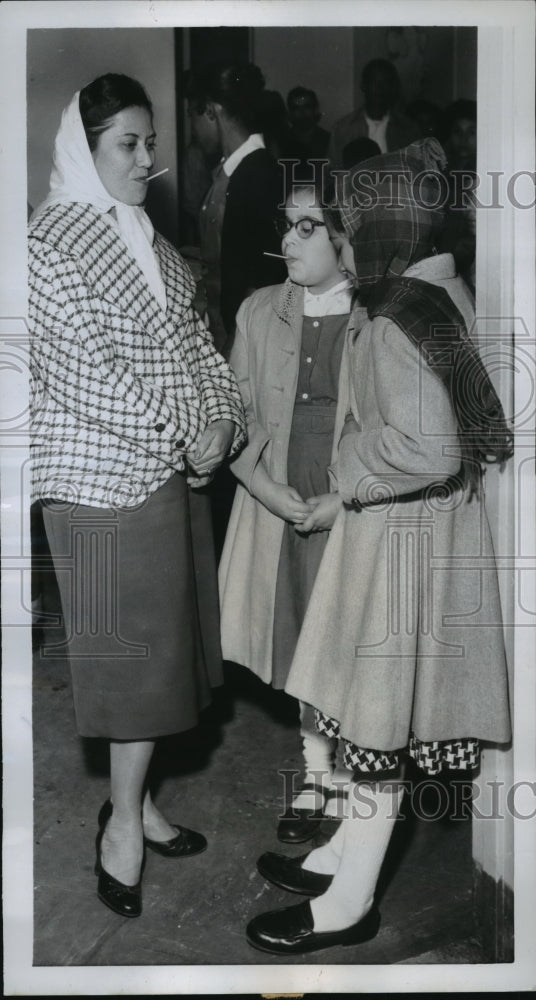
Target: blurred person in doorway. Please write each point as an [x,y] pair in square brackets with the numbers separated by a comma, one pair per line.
[379,118]
[225,103]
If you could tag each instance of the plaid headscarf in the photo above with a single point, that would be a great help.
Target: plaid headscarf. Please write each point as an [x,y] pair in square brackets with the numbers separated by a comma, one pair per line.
[392,210]
[392,213]
[428,316]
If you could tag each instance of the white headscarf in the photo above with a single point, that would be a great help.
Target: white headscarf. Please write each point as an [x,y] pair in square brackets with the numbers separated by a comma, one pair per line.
[74,178]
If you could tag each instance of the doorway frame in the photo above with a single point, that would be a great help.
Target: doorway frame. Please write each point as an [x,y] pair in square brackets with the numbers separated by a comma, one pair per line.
[505,311]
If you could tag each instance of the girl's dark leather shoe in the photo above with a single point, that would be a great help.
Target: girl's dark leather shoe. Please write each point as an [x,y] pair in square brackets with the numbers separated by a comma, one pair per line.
[290,931]
[287,873]
[298,825]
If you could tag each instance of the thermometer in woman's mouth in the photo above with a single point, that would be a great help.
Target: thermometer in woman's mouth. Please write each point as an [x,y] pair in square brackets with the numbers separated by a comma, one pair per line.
[266,253]
[159,174]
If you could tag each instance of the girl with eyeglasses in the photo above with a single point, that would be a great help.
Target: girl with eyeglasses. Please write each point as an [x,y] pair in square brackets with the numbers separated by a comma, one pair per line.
[286,356]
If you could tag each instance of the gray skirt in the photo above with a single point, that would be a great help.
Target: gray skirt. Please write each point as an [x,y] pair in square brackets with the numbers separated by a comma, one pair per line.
[140,604]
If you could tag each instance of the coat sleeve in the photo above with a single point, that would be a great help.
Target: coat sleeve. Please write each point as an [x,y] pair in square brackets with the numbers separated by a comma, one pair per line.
[243,466]
[217,383]
[416,442]
[73,359]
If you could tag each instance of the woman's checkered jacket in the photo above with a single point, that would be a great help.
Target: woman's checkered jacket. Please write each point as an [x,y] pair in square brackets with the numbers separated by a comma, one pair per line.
[121,389]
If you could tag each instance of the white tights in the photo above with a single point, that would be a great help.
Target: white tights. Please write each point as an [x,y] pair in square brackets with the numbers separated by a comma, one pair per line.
[320,768]
[354,855]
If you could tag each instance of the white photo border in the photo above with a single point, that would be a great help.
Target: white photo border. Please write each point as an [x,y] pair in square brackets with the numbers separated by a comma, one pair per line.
[516,19]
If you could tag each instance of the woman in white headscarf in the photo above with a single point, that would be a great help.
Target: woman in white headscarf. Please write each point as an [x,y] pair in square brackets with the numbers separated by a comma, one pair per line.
[132,407]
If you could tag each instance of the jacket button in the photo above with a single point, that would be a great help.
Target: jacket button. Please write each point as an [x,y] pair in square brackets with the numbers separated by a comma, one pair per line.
[159,427]
[179,443]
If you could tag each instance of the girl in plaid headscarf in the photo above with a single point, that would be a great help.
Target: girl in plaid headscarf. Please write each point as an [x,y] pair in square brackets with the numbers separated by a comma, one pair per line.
[405,616]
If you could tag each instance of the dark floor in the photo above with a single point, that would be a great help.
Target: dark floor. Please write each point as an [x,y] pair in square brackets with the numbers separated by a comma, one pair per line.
[222,779]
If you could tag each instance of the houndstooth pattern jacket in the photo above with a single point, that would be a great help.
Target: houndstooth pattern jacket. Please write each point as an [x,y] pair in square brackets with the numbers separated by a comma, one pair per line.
[121,389]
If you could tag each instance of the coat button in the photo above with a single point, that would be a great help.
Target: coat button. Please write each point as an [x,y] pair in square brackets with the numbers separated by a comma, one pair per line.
[179,443]
[316,323]
[305,395]
[159,427]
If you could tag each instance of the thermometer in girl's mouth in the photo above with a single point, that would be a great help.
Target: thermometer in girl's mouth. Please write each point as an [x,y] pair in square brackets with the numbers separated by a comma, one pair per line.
[266,253]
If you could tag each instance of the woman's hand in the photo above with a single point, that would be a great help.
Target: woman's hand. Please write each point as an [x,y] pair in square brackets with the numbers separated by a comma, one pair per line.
[322,516]
[212,448]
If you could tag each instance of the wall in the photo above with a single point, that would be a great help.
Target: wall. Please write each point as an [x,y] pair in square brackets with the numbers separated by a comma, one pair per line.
[319,58]
[437,63]
[465,63]
[64,60]
[430,60]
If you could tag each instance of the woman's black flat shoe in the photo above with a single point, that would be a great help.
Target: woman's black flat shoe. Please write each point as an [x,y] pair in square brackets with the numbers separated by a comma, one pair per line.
[184,845]
[298,825]
[122,899]
[290,931]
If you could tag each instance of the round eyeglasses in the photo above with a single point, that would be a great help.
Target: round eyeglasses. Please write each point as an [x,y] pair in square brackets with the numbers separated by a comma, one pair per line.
[304,227]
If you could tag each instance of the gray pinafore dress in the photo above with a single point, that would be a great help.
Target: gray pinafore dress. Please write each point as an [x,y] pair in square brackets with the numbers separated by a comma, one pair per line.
[309,455]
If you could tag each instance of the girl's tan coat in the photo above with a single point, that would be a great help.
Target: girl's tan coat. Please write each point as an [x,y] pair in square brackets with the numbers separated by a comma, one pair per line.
[403,630]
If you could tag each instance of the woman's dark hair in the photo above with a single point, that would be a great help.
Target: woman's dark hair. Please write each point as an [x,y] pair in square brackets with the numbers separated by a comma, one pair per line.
[238,87]
[300,94]
[462,108]
[104,98]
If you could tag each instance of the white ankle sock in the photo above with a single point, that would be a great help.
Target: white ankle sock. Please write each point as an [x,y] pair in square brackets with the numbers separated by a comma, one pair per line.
[365,835]
[326,859]
[318,751]
[337,804]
